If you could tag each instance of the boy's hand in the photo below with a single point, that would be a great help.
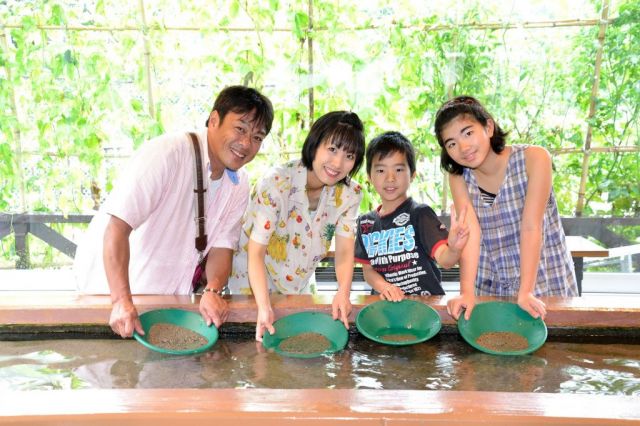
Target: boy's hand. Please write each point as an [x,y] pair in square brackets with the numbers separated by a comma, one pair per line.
[459,230]
[392,293]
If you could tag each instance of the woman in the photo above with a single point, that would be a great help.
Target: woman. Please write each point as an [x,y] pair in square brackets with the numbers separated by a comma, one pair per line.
[295,211]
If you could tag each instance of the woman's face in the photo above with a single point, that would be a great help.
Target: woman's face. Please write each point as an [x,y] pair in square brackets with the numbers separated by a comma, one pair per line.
[467,141]
[330,164]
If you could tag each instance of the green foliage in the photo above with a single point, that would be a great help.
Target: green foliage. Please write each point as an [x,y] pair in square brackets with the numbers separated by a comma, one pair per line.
[75,103]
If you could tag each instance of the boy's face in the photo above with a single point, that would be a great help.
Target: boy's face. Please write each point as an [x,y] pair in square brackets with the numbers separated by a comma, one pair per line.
[391,177]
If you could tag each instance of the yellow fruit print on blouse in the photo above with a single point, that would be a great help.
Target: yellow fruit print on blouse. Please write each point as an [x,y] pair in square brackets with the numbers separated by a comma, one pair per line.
[338,194]
[277,247]
[327,235]
[276,216]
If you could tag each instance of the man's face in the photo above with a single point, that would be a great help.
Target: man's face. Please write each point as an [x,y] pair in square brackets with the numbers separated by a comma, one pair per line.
[233,142]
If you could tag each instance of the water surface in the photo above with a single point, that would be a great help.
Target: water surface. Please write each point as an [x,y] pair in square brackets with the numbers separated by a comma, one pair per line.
[442,363]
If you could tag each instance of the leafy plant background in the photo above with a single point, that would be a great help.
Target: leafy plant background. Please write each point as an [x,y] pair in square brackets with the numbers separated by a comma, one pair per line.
[76,78]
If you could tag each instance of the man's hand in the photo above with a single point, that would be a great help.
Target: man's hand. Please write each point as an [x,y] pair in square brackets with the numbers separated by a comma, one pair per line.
[124,318]
[341,307]
[456,304]
[213,308]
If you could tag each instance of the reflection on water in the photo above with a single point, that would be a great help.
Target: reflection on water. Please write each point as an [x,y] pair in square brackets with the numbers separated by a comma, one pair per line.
[443,363]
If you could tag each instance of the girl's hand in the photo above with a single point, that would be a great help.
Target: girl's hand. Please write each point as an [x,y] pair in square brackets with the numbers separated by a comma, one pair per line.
[456,304]
[459,229]
[534,306]
[264,322]
[392,293]
[341,307]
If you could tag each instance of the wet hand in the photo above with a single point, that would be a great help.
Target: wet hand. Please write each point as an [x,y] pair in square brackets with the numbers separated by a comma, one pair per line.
[392,293]
[124,319]
[341,307]
[264,322]
[534,306]
[456,304]
[213,308]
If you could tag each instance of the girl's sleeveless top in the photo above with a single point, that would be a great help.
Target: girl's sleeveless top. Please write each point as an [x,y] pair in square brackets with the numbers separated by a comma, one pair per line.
[499,265]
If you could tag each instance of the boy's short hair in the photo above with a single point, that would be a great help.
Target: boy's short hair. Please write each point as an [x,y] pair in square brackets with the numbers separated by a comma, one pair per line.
[241,100]
[470,106]
[387,143]
[342,128]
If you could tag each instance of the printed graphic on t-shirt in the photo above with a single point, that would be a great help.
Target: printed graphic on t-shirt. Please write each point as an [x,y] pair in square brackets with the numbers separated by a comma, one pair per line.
[393,253]
[397,248]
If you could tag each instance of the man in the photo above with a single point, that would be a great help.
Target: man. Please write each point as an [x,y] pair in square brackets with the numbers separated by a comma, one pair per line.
[143,239]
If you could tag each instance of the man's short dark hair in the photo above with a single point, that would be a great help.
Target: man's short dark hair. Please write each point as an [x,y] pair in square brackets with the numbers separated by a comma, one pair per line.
[470,106]
[386,144]
[342,128]
[242,100]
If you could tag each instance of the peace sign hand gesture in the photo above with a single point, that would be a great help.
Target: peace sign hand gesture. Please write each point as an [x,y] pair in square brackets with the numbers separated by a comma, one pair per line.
[459,229]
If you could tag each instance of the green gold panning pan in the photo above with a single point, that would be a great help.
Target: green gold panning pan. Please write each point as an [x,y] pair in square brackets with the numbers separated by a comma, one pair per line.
[306,322]
[186,319]
[398,323]
[489,317]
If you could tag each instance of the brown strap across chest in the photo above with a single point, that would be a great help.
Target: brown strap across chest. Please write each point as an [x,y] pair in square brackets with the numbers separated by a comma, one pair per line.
[201,237]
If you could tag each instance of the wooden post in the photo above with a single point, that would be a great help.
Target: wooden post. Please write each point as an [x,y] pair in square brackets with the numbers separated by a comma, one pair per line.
[310,47]
[604,20]
[147,60]
[17,135]
[22,245]
[445,176]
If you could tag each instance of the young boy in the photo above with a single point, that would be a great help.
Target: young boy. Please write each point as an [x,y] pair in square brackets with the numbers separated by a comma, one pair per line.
[399,242]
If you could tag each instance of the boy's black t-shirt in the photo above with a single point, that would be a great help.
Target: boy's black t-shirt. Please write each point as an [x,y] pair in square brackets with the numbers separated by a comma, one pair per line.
[400,247]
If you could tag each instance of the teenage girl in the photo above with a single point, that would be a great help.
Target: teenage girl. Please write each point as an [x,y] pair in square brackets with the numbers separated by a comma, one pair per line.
[516,245]
[293,214]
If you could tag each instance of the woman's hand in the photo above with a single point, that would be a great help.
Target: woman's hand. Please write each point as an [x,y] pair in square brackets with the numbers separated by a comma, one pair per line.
[264,322]
[534,306]
[341,307]
[456,304]
[392,293]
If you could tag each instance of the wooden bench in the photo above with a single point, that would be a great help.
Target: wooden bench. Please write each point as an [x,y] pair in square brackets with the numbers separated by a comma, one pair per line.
[579,247]
[326,273]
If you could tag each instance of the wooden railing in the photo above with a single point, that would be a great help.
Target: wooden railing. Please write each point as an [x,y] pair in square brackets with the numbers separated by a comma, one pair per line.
[21,225]
[37,225]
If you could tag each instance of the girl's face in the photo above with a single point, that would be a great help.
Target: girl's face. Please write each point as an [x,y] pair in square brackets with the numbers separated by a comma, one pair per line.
[467,141]
[331,165]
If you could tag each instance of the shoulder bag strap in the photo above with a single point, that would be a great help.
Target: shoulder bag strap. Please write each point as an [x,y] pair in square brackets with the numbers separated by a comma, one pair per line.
[201,237]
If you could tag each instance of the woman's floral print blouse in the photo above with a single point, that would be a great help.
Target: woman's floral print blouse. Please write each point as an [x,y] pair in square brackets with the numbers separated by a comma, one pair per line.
[278,216]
